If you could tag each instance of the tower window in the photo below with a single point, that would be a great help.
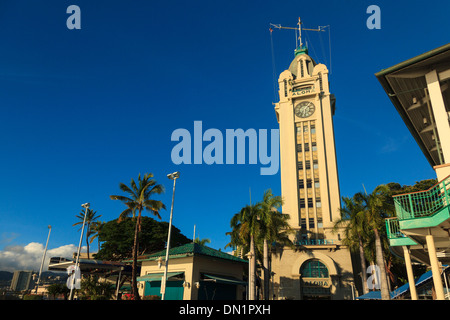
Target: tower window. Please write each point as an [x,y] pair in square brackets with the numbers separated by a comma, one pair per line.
[315,164]
[300,165]
[308,164]
[314,146]
[306,146]
[299,147]
[285,87]
[301,184]
[303,223]
[302,203]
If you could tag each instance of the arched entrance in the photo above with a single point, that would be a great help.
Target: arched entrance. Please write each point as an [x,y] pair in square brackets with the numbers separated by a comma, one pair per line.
[315,280]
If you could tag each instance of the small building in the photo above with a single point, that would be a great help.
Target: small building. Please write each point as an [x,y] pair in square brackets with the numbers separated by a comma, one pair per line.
[195,272]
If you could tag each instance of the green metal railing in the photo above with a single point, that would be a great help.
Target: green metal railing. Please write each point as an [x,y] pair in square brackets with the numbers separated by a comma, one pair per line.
[315,242]
[393,228]
[423,203]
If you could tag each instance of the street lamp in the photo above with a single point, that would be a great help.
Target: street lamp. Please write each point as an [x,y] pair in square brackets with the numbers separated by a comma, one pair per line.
[77,261]
[43,258]
[172,176]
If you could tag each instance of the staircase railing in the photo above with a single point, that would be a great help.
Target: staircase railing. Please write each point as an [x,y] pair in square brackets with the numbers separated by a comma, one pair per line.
[423,203]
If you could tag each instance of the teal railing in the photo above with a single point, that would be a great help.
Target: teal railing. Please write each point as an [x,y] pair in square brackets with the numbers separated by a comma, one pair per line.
[315,242]
[423,203]
[393,229]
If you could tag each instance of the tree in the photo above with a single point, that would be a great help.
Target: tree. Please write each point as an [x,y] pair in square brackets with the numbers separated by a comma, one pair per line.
[245,225]
[118,238]
[93,289]
[256,226]
[57,289]
[274,228]
[377,206]
[90,219]
[94,231]
[202,241]
[352,222]
[139,199]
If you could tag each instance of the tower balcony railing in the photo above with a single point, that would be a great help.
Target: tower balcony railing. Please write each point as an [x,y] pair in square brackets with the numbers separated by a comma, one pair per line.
[423,203]
[316,242]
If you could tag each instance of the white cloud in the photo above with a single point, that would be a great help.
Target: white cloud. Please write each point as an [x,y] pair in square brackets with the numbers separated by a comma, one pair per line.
[29,257]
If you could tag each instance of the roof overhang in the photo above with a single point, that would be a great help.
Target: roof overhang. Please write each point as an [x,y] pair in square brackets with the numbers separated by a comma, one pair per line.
[406,86]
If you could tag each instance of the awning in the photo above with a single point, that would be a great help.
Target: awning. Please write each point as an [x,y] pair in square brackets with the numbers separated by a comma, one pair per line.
[376,295]
[225,279]
[158,276]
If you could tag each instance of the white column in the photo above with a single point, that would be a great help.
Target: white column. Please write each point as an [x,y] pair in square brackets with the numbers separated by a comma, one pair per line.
[409,271]
[440,114]
[435,268]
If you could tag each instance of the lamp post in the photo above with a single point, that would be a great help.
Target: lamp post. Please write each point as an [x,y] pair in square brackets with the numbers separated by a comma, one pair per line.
[171,176]
[77,260]
[43,258]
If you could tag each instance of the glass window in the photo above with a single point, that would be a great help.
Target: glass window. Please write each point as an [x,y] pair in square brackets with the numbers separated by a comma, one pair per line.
[308,164]
[300,165]
[301,184]
[318,203]
[314,269]
[314,146]
[299,147]
[302,203]
[306,146]
[315,164]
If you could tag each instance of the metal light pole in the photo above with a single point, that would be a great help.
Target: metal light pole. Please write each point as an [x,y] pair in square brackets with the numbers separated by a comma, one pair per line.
[77,261]
[43,258]
[172,176]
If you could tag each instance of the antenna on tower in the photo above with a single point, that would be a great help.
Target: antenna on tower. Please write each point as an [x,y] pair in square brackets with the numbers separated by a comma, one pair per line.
[298,39]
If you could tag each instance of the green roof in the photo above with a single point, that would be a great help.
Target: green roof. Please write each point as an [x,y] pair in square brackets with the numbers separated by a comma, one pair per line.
[192,249]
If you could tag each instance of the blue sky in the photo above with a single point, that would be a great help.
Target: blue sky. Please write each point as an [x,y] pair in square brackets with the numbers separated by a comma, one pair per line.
[83,110]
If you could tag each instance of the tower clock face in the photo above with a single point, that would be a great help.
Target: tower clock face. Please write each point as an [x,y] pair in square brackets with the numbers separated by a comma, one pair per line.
[304,109]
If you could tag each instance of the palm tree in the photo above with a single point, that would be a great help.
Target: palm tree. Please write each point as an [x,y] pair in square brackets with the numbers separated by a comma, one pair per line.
[90,219]
[139,199]
[352,222]
[245,225]
[202,241]
[376,208]
[274,228]
[94,232]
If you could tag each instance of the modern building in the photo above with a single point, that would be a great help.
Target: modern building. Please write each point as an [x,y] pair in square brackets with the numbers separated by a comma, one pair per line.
[195,272]
[322,267]
[22,280]
[419,90]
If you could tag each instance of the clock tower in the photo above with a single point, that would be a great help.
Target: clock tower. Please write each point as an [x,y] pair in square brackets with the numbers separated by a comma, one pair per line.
[322,267]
